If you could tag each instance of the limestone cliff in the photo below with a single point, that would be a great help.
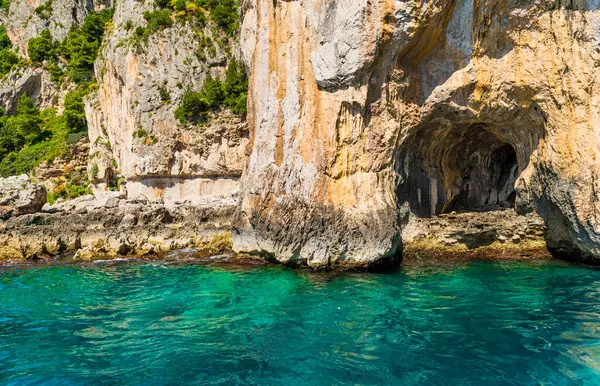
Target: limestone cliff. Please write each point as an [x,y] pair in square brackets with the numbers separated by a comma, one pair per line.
[27,19]
[364,113]
[133,130]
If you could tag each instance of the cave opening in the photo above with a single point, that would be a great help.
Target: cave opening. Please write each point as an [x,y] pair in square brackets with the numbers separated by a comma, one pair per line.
[486,179]
[471,167]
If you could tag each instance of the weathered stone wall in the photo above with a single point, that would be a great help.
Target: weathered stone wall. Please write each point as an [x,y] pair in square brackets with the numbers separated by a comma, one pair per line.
[363,113]
[133,130]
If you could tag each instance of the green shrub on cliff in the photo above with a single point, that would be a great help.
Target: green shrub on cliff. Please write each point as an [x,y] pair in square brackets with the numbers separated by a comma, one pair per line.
[231,93]
[212,92]
[94,171]
[236,88]
[79,50]
[8,58]
[4,40]
[76,185]
[225,13]
[42,47]
[82,44]
[49,144]
[192,109]
[31,136]
[44,11]
[155,21]
[74,113]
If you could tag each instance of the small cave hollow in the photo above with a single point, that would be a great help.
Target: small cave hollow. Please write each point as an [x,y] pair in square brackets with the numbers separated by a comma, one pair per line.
[463,167]
[485,177]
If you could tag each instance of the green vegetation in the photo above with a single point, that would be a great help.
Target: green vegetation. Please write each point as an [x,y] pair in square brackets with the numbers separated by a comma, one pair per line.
[156,20]
[94,171]
[79,50]
[148,139]
[164,94]
[81,46]
[31,136]
[128,25]
[74,113]
[195,106]
[44,11]
[236,88]
[41,48]
[225,13]
[193,109]
[139,133]
[8,58]
[4,4]
[74,185]
[4,40]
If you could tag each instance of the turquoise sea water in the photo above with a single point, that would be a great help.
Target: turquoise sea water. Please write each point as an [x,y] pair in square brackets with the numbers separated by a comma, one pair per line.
[139,324]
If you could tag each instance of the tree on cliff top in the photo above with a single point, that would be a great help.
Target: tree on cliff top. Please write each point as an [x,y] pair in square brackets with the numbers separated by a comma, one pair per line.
[79,50]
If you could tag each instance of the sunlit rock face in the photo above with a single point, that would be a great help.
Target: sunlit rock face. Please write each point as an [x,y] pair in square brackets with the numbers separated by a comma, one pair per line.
[363,113]
[133,132]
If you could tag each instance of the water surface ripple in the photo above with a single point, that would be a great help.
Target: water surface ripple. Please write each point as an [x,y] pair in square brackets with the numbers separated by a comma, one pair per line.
[477,323]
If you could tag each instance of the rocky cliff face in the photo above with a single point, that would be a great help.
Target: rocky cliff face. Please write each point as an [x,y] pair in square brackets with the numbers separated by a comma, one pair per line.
[364,117]
[363,114]
[133,130]
[27,19]
[35,82]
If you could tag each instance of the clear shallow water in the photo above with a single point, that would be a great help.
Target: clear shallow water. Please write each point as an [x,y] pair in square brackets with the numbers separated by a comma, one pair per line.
[480,323]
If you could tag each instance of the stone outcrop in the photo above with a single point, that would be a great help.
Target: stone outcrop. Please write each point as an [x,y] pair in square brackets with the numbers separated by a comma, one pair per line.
[33,82]
[500,234]
[364,114]
[19,195]
[369,123]
[56,172]
[133,131]
[91,229]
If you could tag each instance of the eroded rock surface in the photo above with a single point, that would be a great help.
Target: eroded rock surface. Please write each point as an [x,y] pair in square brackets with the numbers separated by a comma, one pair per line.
[133,130]
[363,112]
[33,82]
[93,229]
[500,234]
[19,195]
